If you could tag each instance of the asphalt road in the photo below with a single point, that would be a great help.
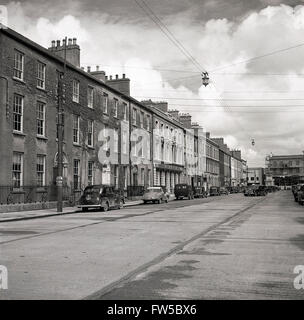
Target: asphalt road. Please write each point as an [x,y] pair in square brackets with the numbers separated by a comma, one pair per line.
[228,247]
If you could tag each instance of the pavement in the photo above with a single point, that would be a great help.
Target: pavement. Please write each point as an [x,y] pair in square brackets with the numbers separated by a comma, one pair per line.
[228,247]
[35,214]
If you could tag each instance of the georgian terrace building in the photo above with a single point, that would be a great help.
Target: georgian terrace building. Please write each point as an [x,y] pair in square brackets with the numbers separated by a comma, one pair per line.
[102,123]
[168,146]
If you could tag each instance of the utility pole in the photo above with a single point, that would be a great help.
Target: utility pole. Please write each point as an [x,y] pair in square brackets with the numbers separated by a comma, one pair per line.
[60,125]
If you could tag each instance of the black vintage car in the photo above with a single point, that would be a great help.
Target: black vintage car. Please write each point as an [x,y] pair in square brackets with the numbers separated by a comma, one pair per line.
[214,191]
[183,190]
[101,196]
[199,192]
[261,191]
[224,190]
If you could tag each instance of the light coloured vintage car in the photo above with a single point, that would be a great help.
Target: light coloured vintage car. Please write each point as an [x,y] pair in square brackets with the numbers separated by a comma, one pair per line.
[155,194]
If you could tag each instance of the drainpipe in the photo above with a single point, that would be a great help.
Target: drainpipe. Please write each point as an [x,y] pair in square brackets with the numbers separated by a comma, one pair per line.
[6,104]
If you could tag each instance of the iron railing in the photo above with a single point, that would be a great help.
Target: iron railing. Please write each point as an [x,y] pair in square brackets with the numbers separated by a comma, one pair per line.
[35,194]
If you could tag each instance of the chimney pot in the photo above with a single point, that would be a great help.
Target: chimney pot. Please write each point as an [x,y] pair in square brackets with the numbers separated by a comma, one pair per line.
[70,41]
[63,42]
[97,68]
[58,43]
[106,77]
[53,43]
[89,69]
[123,75]
[111,77]
[116,76]
[74,40]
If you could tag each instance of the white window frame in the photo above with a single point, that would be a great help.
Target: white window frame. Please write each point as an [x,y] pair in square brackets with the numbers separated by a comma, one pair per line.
[76,85]
[74,129]
[20,155]
[40,103]
[41,75]
[21,106]
[125,111]
[90,176]
[90,97]
[18,65]
[106,103]
[115,108]
[40,156]
[90,132]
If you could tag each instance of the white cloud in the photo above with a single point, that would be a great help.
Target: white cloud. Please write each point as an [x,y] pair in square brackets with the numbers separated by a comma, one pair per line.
[135,49]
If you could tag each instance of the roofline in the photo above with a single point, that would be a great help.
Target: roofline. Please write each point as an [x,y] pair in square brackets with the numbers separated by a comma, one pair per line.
[17,36]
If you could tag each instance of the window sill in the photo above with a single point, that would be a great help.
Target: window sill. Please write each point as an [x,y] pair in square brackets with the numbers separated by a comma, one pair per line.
[75,101]
[41,137]
[18,190]
[18,133]
[76,145]
[19,80]
[41,89]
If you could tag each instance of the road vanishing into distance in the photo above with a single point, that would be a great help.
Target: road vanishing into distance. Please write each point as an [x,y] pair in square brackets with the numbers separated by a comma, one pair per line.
[228,247]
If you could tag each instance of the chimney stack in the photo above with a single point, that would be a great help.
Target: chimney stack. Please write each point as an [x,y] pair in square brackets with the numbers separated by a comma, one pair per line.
[89,69]
[72,50]
[185,119]
[97,68]
[120,84]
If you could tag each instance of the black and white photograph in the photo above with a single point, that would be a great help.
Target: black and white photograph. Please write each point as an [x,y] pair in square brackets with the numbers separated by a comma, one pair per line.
[151,150]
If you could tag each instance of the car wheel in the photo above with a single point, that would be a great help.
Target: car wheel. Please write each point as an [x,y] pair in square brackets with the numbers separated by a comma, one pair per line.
[85,209]
[166,200]
[106,207]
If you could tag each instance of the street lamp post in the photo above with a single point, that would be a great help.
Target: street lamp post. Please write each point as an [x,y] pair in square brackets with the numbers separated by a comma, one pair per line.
[59,179]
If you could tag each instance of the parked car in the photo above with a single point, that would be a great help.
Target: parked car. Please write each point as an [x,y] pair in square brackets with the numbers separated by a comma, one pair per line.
[250,191]
[214,191]
[101,196]
[199,192]
[183,190]
[296,190]
[300,194]
[261,191]
[224,190]
[155,195]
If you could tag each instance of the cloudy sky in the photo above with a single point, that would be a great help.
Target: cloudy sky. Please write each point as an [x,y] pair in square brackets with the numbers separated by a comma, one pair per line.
[253,51]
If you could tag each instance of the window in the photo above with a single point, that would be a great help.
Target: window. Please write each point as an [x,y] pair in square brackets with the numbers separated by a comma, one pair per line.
[90,97]
[76,91]
[126,177]
[115,132]
[18,65]
[115,111]
[134,116]
[40,114]
[18,113]
[40,169]
[116,176]
[141,119]
[90,173]
[76,174]
[75,129]
[124,142]
[41,75]
[17,170]
[105,103]
[148,122]
[124,110]
[90,133]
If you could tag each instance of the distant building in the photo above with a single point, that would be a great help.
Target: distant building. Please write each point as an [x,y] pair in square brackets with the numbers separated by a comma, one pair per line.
[285,169]
[256,176]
